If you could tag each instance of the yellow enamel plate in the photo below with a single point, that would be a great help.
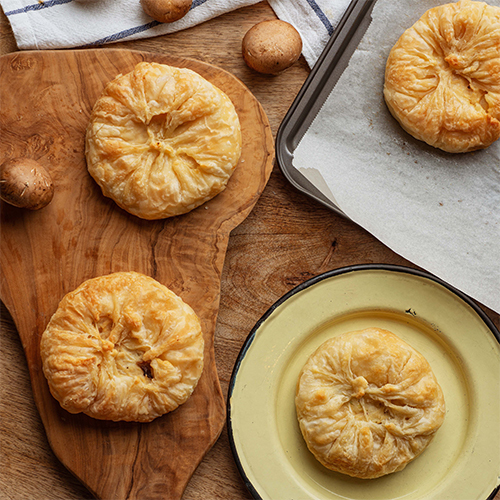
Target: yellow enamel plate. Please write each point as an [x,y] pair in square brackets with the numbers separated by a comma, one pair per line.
[455,336]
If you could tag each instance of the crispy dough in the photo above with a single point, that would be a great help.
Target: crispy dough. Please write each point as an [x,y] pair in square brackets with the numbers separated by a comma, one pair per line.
[162,140]
[122,347]
[442,78]
[367,403]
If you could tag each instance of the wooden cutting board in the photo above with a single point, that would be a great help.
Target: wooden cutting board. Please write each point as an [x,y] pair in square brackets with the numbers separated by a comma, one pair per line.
[45,102]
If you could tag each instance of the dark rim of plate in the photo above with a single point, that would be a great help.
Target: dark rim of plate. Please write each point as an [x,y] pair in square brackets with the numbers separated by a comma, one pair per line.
[306,284]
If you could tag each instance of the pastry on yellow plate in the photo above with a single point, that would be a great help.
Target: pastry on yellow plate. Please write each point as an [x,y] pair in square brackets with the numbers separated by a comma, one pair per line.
[122,347]
[442,78]
[368,403]
[162,140]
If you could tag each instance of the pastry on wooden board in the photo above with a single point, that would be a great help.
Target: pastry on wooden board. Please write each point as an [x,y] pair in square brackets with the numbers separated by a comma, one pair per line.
[442,78]
[368,403]
[122,347]
[162,141]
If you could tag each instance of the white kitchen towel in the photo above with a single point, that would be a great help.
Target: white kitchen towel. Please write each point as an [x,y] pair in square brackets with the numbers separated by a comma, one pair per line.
[55,24]
[315,20]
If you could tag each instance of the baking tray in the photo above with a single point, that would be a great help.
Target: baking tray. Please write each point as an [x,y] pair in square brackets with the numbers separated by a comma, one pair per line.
[313,94]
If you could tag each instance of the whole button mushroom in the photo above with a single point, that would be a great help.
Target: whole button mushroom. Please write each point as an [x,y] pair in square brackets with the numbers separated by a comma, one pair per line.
[25,183]
[270,47]
[166,11]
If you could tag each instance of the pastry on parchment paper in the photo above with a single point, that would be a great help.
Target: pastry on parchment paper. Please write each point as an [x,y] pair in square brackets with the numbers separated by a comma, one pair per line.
[442,78]
[368,403]
[122,347]
[162,140]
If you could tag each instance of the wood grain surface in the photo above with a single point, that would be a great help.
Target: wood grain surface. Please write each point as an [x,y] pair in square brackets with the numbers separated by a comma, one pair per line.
[81,234]
[286,239]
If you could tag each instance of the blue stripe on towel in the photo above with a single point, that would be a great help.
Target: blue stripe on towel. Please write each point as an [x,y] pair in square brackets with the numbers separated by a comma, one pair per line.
[317,10]
[136,29]
[196,3]
[37,6]
[123,34]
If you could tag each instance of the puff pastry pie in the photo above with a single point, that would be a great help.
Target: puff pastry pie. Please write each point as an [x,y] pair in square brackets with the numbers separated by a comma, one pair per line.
[367,403]
[162,140]
[122,347]
[442,78]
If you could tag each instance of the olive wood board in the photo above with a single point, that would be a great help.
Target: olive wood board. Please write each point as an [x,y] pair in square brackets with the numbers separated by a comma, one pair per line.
[45,102]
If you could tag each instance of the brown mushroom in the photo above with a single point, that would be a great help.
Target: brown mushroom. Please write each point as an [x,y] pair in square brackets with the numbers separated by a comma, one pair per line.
[25,183]
[166,11]
[270,47]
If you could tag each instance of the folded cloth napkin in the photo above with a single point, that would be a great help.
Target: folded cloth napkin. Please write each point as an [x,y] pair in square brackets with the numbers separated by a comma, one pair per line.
[55,24]
[315,20]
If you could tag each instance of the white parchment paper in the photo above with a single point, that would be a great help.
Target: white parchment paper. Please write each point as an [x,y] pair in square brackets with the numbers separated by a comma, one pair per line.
[438,210]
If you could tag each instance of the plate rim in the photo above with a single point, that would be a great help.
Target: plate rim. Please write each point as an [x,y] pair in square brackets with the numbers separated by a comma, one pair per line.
[393,268]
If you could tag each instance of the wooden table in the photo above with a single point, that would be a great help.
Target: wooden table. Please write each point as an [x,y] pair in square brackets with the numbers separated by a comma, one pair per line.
[287,239]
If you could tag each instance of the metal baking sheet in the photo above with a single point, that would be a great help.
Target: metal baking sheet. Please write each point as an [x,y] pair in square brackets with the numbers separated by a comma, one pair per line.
[311,97]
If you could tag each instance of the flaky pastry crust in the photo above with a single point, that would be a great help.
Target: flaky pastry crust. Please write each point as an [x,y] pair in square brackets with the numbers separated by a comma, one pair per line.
[367,403]
[122,347]
[162,140]
[442,78]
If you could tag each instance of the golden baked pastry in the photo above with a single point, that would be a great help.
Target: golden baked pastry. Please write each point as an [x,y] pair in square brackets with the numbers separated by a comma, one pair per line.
[367,403]
[442,78]
[122,347]
[162,140]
